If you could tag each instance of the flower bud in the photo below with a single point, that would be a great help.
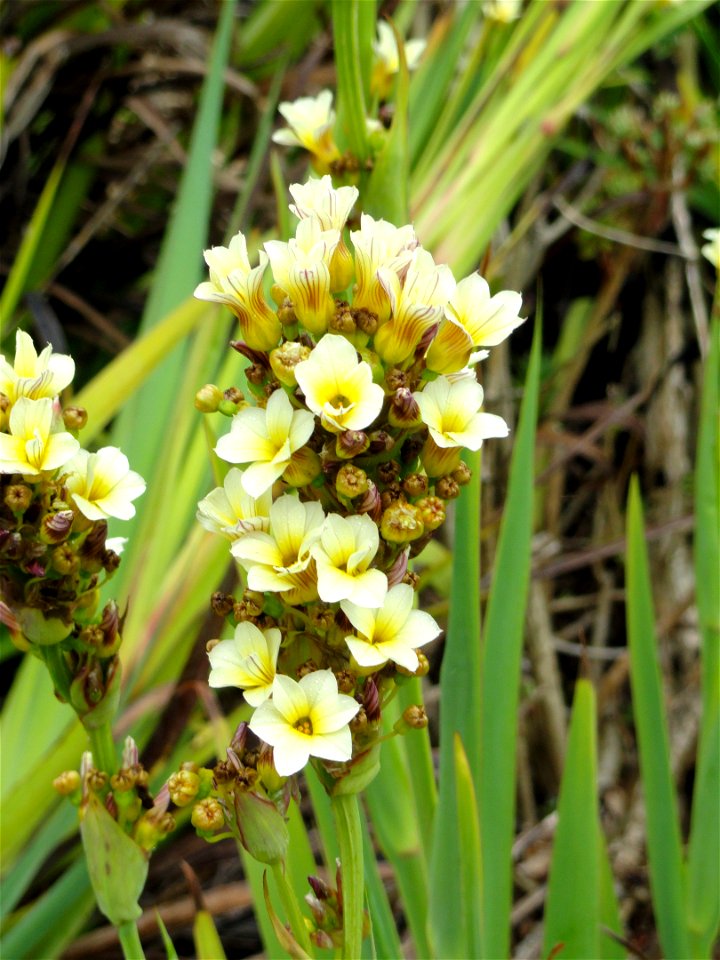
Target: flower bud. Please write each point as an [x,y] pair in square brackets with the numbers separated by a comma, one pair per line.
[208,398]
[67,783]
[285,358]
[183,787]
[371,700]
[74,418]
[397,571]
[404,411]
[351,443]
[370,503]
[401,522]
[18,498]
[463,474]
[262,828]
[432,512]
[351,481]
[342,268]
[413,718]
[55,527]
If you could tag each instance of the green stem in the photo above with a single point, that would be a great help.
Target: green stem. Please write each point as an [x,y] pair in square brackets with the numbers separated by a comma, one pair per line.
[130,941]
[292,910]
[103,747]
[346,811]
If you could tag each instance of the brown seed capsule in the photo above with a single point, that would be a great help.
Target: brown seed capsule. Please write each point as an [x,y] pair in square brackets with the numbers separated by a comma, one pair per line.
[415,484]
[221,603]
[18,497]
[447,488]
[366,321]
[342,322]
[346,681]
[74,418]
[389,471]
[123,780]
[96,780]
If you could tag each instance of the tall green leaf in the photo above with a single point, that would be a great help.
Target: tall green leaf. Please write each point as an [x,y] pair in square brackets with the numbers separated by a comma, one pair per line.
[503,638]
[663,832]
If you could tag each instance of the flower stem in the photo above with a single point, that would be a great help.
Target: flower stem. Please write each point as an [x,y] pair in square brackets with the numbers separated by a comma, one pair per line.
[130,941]
[346,811]
[292,910]
[103,747]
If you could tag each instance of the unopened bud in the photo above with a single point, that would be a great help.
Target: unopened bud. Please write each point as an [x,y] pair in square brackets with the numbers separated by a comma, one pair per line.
[397,571]
[351,481]
[401,522]
[342,268]
[432,512]
[208,398]
[370,503]
[413,718]
[404,411]
[319,887]
[371,700]
[285,358]
[67,783]
[74,418]
[351,443]
[55,527]
[18,497]
[463,474]
[183,787]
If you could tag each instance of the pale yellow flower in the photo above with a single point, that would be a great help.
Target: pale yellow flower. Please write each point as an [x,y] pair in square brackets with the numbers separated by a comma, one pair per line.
[451,411]
[387,59]
[331,208]
[343,552]
[503,11]
[472,319]
[302,269]
[711,249]
[266,439]
[305,719]
[230,511]
[102,484]
[280,561]
[339,387]
[248,660]
[310,121]
[393,632]
[379,244]
[237,285]
[32,447]
[34,375]
[416,304]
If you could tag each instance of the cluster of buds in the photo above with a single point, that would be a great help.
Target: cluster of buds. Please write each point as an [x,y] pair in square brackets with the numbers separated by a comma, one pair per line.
[362,394]
[55,501]
[326,907]
[121,824]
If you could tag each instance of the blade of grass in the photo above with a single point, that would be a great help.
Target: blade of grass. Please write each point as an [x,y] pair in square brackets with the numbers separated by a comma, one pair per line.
[663,833]
[610,947]
[385,939]
[178,270]
[460,692]
[572,911]
[703,891]
[468,821]
[350,40]
[503,638]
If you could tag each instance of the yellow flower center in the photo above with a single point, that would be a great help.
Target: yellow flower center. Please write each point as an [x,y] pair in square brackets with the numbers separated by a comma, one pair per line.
[304,725]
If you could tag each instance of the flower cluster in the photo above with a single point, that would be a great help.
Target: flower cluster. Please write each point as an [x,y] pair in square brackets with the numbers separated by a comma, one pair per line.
[361,396]
[55,500]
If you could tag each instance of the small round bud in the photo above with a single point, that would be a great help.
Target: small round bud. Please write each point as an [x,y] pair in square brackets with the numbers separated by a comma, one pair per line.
[415,484]
[351,481]
[221,603]
[351,443]
[207,815]
[389,471]
[414,717]
[462,474]
[401,522]
[447,488]
[432,512]
[96,780]
[18,497]
[67,783]
[123,780]
[74,418]
[208,398]
[183,787]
